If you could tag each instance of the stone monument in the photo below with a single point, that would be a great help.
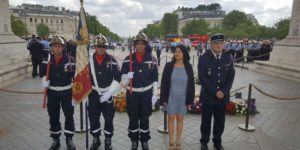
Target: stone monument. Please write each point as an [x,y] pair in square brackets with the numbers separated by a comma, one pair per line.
[285,57]
[13,52]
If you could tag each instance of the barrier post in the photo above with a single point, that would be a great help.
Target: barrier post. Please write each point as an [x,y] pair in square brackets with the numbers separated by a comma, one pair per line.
[164,129]
[247,126]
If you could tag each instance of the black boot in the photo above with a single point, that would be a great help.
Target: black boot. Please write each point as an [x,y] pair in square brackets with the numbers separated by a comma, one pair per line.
[134,145]
[96,143]
[145,146]
[70,144]
[55,144]
[218,146]
[108,145]
[204,147]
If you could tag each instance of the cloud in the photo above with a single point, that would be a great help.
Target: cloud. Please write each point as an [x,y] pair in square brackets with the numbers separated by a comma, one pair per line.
[127,17]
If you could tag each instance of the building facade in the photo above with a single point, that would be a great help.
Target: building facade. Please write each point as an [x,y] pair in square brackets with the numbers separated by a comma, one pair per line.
[213,18]
[59,20]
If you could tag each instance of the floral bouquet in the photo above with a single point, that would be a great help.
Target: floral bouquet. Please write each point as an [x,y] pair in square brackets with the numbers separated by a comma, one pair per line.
[240,107]
[120,102]
[230,108]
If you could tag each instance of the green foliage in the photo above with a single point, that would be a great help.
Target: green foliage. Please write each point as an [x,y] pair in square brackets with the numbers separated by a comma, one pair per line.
[199,27]
[282,28]
[95,27]
[153,31]
[235,25]
[210,7]
[18,27]
[42,30]
[170,23]
[234,18]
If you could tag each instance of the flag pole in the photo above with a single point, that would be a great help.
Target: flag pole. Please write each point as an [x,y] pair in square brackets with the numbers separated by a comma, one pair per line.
[86,125]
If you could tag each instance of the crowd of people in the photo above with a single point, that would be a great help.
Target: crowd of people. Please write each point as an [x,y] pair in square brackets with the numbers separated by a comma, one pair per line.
[253,49]
[239,49]
[39,49]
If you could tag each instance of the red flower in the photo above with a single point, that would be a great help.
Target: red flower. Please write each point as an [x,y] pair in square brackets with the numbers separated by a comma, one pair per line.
[230,107]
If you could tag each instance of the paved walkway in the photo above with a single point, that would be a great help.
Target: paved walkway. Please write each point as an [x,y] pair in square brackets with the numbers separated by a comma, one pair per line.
[24,124]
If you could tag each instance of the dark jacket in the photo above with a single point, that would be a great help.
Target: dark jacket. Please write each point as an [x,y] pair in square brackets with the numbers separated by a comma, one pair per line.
[106,72]
[215,75]
[145,73]
[166,83]
[36,50]
[60,75]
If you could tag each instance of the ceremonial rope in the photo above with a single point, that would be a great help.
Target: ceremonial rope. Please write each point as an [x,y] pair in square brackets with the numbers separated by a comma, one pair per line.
[275,97]
[252,56]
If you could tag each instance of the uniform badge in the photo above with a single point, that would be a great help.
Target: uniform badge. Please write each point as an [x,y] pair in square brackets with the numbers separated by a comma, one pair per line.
[140,70]
[209,71]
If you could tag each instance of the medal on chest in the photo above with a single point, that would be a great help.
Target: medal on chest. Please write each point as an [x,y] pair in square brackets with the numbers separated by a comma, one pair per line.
[209,71]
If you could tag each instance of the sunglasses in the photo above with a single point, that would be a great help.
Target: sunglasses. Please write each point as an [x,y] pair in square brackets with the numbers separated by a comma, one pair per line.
[101,46]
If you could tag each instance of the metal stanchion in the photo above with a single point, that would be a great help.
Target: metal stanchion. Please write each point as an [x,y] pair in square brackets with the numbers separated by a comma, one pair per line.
[163,129]
[247,126]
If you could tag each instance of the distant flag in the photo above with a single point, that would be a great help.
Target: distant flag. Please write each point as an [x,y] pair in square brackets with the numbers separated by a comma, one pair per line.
[82,85]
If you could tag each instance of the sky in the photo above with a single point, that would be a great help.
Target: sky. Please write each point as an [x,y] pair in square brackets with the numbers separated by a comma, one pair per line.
[127,17]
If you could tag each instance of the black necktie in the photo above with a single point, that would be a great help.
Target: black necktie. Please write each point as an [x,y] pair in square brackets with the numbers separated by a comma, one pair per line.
[218,57]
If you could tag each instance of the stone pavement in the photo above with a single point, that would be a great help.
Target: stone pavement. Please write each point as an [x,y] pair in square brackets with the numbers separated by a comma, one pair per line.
[24,124]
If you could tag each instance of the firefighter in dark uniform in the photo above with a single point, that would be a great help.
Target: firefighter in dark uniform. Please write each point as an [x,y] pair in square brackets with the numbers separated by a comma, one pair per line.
[106,73]
[216,73]
[62,68]
[144,76]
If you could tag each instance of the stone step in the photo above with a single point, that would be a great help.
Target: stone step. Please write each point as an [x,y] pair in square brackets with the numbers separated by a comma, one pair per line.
[283,71]
[13,73]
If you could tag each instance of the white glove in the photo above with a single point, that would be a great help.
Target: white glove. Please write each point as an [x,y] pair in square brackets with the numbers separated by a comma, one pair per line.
[130,75]
[45,83]
[154,100]
[105,97]
[124,80]
[115,87]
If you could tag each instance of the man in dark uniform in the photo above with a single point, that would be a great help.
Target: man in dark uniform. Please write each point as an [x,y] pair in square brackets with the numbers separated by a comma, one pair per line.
[144,76]
[59,86]
[106,73]
[216,73]
[36,51]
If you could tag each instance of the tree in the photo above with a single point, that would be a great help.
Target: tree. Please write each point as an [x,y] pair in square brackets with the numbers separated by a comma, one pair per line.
[18,27]
[217,29]
[42,30]
[282,28]
[266,32]
[95,27]
[199,27]
[170,23]
[153,31]
[232,19]
[210,7]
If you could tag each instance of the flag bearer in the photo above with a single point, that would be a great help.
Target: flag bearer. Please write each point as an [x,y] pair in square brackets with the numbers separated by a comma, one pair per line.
[106,73]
